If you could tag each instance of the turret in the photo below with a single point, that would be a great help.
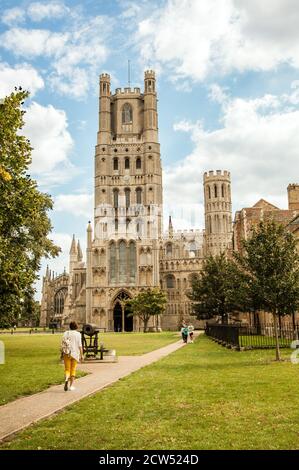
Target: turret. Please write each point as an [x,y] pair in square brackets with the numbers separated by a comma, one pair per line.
[73,254]
[150,107]
[218,211]
[104,111]
[170,228]
[79,251]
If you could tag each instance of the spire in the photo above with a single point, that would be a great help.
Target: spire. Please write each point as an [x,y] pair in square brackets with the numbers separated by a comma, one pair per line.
[80,254]
[170,227]
[73,250]
[47,272]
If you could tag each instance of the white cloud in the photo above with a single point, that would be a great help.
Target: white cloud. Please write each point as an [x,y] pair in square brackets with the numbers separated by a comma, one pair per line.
[47,129]
[23,75]
[191,38]
[13,16]
[39,11]
[33,42]
[75,56]
[75,204]
[258,141]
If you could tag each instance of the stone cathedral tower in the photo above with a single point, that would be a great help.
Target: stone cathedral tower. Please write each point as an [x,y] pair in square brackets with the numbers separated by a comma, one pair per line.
[122,250]
[218,211]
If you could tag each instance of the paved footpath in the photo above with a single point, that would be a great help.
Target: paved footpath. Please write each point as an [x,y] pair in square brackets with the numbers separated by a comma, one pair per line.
[22,412]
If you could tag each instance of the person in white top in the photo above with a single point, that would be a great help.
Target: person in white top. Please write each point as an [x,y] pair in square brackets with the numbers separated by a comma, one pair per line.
[72,352]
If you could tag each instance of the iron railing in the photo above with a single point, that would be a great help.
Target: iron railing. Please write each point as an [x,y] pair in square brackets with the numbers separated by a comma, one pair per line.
[252,337]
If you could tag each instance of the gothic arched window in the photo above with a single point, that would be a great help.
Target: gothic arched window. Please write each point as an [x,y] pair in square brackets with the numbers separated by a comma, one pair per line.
[127,196]
[215,190]
[222,190]
[138,196]
[115,163]
[127,114]
[169,249]
[115,198]
[209,192]
[138,163]
[113,262]
[170,281]
[122,261]
[127,163]
[59,301]
[132,261]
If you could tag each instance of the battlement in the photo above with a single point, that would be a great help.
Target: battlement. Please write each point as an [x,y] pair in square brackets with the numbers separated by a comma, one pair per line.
[293,186]
[149,74]
[104,77]
[127,90]
[212,175]
[187,233]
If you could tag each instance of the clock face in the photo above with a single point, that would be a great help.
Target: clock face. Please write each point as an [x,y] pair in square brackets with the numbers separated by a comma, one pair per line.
[126,178]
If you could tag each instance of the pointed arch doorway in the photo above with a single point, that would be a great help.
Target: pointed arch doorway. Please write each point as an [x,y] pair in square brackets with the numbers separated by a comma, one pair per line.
[121,314]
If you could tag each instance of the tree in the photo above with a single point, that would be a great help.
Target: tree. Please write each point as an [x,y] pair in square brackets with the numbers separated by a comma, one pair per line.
[218,289]
[146,304]
[270,263]
[24,223]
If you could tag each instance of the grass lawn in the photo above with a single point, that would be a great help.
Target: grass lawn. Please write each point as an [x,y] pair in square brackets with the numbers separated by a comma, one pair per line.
[32,361]
[201,397]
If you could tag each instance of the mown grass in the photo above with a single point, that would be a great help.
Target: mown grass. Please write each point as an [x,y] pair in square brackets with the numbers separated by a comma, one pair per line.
[32,362]
[200,397]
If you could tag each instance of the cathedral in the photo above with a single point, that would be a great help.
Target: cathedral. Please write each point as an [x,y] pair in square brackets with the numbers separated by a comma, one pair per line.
[127,248]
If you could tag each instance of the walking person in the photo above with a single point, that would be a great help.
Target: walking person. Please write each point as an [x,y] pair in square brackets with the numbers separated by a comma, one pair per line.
[72,352]
[184,332]
[191,330]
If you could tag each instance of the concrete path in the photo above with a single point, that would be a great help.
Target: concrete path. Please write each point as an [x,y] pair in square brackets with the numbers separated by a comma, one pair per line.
[24,411]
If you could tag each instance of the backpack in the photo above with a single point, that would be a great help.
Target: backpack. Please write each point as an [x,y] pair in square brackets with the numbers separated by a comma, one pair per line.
[66,344]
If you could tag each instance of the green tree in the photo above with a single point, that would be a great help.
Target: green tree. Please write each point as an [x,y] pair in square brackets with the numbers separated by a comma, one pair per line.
[24,222]
[270,263]
[218,289]
[146,304]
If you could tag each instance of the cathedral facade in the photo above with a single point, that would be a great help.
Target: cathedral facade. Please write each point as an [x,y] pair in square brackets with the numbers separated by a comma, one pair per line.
[127,248]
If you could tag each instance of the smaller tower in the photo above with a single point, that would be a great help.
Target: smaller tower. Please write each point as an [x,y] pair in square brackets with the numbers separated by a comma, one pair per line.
[293,197]
[150,107]
[218,211]
[105,110]
[79,251]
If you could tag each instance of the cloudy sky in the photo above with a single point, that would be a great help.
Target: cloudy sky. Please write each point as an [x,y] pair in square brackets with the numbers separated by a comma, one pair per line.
[228,84]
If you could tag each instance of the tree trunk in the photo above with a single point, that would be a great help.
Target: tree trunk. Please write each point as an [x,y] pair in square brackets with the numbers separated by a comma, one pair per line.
[278,357]
[145,322]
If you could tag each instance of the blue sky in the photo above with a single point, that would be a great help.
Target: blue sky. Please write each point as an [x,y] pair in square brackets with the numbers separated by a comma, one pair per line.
[228,86]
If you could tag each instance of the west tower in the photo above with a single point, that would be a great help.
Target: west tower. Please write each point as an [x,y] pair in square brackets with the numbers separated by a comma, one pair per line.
[122,250]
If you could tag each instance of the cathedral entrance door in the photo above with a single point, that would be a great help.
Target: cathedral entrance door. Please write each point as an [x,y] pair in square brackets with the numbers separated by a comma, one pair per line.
[118,316]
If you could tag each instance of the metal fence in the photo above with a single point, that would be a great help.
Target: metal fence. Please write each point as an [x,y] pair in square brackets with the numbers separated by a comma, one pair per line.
[252,337]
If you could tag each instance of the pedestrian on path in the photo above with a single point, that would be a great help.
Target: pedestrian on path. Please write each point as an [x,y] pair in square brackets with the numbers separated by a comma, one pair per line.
[72,353]
[184,332]
[191,330]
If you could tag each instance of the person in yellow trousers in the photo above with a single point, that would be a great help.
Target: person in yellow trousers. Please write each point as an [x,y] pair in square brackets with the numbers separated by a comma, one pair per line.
[72,353]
